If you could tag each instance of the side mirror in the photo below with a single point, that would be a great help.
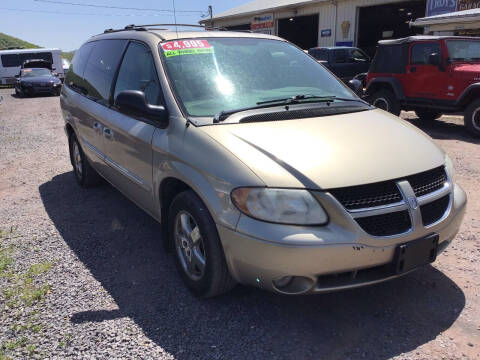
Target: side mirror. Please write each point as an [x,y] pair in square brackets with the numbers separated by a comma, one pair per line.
[17,76]
[434,59]
[134,103]
[356,86]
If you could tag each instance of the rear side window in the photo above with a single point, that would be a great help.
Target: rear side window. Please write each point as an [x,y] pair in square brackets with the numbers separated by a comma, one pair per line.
[15,60]
[421,51]
[10,60]
[74,77]
[101,67]
[137,72]
[320,54]
[341,56]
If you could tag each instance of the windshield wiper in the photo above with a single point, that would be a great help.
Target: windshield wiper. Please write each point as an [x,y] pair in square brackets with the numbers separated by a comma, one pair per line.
[297,99]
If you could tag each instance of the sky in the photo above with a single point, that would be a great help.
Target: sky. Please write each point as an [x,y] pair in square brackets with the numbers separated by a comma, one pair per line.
[49,24]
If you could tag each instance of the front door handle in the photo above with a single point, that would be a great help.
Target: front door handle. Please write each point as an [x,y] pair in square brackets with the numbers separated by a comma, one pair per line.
[107,133]
[97,126]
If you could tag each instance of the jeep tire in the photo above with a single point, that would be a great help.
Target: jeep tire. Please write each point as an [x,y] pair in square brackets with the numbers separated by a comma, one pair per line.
[385,99]
[472,117]
[427,115]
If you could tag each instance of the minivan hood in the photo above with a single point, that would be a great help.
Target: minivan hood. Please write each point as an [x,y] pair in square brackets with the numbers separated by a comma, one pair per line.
[331,151]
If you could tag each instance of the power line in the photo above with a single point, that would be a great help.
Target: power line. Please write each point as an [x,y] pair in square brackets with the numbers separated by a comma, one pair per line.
[119,7]
[83,14]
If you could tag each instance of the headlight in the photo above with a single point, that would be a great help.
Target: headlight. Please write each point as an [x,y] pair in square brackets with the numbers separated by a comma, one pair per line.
[285,206]
[450,169]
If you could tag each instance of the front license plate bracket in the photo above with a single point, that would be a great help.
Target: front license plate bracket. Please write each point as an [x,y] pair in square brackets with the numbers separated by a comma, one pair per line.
[415,253]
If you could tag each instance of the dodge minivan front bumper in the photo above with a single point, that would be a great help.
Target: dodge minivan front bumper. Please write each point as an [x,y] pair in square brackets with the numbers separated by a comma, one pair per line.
[340,255]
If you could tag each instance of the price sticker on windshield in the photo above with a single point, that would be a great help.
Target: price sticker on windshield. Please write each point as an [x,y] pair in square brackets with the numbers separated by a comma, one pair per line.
[186,47]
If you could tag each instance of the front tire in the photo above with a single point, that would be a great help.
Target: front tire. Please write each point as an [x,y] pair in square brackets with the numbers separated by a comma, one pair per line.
[384,99]
[85,174]
[198,251]
[427,115]
[472,118]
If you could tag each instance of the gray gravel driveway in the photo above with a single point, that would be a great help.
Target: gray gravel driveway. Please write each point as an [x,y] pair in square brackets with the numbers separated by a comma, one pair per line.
[83,274]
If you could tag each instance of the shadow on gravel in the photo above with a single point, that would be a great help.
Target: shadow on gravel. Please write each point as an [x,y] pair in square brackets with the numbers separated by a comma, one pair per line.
[443,130]
[120,246]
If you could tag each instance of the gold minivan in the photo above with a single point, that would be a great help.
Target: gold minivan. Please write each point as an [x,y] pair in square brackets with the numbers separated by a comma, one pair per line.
[263,168]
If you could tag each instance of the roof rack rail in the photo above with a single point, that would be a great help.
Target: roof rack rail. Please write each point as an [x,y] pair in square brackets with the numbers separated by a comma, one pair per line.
[146,26]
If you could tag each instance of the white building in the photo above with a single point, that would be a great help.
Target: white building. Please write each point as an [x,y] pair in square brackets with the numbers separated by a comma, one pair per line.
[310,23]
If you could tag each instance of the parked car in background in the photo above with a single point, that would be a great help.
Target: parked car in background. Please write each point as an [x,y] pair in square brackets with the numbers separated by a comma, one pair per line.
[344,62]
[432,75]
[12,60]
[33,81]
[262,167]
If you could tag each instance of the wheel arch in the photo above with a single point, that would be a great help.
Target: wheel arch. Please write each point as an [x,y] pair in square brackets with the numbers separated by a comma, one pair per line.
[392,84]
[168,189]
[472,92]
[69,130]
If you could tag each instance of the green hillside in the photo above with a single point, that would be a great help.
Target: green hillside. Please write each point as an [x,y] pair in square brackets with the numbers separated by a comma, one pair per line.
[7,41]
[68,55]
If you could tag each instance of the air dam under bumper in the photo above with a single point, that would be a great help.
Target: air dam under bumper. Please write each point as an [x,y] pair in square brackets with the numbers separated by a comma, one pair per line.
[339,259]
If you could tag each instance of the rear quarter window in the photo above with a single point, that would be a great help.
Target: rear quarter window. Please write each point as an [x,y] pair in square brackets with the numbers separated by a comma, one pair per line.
[74,78]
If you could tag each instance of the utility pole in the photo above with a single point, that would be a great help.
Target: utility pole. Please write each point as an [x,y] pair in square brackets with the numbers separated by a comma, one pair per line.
[210,14]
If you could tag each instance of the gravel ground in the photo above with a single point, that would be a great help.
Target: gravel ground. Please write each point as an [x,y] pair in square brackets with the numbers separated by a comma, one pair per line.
[83,274]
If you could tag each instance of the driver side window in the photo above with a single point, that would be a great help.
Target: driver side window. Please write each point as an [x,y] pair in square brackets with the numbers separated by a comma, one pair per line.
[138,73]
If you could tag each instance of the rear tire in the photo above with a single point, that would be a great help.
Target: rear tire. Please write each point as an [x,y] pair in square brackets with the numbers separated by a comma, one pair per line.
[472,118]
[427,115]
[85,174]
[197,248]
[385,99]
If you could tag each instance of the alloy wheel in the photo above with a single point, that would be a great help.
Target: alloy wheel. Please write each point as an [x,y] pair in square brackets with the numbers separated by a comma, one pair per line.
[77,160]
[189,246]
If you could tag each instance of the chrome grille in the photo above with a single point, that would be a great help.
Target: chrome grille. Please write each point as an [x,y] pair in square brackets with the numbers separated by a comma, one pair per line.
[434,211]
[381,210]
[386,224]
[428,181]
[365,196]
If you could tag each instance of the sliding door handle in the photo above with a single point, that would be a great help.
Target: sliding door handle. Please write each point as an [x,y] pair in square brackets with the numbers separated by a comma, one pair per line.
[107,133]
[97,126]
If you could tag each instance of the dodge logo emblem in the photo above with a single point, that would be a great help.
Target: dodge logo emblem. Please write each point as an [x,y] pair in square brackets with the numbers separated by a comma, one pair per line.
[412,201]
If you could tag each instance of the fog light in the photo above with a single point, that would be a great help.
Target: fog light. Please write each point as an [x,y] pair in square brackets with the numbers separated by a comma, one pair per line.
[282,282]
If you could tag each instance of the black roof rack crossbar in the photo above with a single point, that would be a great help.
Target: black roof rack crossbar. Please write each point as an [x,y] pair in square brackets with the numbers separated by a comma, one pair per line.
[146,26]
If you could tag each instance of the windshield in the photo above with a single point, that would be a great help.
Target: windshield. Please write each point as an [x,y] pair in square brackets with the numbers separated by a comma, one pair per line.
[221,74]
[463,50]
[36,72]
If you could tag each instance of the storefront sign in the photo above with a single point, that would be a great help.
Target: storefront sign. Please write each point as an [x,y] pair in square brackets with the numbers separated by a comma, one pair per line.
[344,43]
[262,22]
[467,4]
[437,7]
[326,33]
